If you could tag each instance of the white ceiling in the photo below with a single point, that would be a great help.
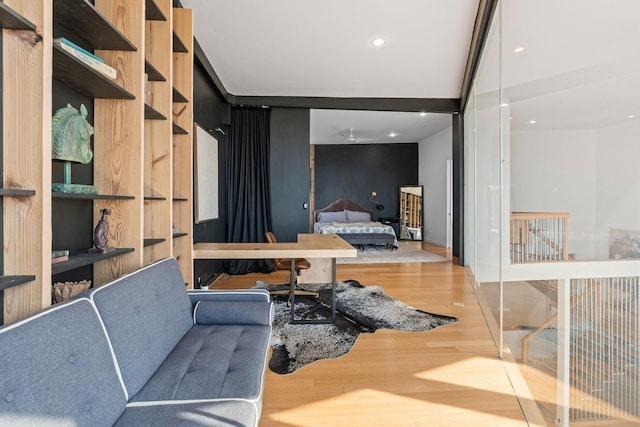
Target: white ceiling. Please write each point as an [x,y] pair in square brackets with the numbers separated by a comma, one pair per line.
[373,127]
[569,76]
[322,49]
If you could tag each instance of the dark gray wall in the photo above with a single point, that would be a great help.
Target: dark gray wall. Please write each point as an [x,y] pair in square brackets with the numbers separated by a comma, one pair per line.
[353,171]
[289,172]
[211,111]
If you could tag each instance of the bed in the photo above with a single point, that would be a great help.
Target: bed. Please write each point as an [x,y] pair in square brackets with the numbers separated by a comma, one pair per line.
[354,224]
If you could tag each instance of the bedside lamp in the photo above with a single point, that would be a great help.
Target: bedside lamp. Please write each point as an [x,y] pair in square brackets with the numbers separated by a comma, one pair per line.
[379,206]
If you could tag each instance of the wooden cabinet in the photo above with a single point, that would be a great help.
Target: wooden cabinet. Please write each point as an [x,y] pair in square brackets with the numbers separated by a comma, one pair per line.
[141,167]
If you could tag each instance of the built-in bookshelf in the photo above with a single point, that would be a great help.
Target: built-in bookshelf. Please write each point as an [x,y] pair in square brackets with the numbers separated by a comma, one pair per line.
[182,115]
[26,153]
[138,172]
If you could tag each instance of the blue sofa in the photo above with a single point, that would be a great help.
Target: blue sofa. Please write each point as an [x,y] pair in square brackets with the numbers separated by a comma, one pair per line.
[139,351]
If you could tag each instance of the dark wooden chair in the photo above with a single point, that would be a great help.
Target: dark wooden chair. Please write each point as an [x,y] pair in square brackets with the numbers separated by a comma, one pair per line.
[285,264]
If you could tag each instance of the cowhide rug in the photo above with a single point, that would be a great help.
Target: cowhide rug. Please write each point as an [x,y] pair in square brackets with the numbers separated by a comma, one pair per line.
[360,309]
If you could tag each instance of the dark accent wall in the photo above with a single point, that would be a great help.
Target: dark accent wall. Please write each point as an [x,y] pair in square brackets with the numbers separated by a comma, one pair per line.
[353,171]
[210,111]
[290,174]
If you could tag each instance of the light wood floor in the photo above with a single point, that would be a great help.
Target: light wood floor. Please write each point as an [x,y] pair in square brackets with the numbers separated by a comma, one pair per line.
[450,376]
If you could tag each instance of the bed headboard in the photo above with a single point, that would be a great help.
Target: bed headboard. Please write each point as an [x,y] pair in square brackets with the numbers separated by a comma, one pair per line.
[340,205]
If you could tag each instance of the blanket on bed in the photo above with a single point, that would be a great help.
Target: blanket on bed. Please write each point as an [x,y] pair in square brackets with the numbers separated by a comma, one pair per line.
[354,227]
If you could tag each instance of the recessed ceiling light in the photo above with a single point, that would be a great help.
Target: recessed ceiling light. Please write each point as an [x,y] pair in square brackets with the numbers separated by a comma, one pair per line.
[423,114]
[393,134]
[518,49]
[378,42]
[532,122]
[631,116]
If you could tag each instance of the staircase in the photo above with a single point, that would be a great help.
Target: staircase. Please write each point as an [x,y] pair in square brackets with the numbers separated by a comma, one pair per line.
[604,351]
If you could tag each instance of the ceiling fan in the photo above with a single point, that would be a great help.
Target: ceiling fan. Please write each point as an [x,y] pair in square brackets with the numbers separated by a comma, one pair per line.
[351,138]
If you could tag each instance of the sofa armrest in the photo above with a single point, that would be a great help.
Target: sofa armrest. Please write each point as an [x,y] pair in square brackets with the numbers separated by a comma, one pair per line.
[233,313]
[257,295]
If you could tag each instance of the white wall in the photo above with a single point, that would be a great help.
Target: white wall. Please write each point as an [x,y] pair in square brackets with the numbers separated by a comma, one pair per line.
[555,171]
[617,192]
[433,154]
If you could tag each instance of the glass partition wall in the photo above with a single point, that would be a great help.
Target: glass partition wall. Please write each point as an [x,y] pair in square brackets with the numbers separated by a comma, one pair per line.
[552,142]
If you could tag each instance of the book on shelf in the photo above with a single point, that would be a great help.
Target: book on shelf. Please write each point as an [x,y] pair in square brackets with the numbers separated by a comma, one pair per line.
[88,59]
[56,254]
[59,259]
[68,42]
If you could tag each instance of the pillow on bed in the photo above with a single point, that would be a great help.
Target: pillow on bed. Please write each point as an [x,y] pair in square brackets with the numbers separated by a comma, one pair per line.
[355,216]
[332,216]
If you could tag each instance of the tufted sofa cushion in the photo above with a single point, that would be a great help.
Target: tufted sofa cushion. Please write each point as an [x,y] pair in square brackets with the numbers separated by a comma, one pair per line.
[57,369]
[213,362]
[158,314]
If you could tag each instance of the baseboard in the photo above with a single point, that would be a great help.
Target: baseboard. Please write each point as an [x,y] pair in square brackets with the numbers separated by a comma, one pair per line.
[435,242]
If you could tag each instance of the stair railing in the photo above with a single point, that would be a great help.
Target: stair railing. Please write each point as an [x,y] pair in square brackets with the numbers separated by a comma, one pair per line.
[539,236]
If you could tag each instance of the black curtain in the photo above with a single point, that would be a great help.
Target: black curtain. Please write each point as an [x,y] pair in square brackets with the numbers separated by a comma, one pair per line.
[248,201]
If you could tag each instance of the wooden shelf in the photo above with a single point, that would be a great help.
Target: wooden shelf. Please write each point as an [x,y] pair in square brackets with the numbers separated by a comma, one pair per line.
[7,282]
[87,22]
[85,79]
[16,192]
[178,45]
[12,20]
[134,147]
[71,196]
[151,242]
[153,73]
[153,114]
[178,97]
[153,12]
[83,259]
[177,130]
[176,235]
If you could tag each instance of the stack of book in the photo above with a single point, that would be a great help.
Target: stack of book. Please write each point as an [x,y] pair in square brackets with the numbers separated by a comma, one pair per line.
[85,57]
[59,256]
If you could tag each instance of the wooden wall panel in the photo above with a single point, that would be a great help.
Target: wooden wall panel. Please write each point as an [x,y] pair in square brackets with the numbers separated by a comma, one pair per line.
[26,135]
[118,143]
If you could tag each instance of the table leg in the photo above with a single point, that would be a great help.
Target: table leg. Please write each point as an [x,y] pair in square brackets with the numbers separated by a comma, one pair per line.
[292,284]
[333,297]
[333,291]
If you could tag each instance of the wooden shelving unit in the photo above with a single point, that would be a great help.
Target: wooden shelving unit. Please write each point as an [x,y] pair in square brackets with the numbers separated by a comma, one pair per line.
[92,24]
[158,136]
[26,154]
[82,259]
[182,114]
[411,210]
[139,166]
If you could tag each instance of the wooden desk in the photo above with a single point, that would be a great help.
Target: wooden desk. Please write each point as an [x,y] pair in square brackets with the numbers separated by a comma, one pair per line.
[320,249]
[307,246]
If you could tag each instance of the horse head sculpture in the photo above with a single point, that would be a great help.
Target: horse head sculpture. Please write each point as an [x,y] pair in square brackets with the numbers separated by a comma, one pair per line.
[71,134]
